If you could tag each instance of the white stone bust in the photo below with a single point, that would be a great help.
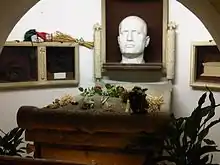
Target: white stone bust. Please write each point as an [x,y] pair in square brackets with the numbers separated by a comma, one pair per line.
[133,39]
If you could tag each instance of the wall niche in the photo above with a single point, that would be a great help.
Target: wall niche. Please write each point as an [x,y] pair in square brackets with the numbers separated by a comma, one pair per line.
[46,64]
[155,15]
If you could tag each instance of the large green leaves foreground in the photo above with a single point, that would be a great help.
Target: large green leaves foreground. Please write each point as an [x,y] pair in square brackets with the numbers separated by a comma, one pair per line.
[186,142]
[11,141]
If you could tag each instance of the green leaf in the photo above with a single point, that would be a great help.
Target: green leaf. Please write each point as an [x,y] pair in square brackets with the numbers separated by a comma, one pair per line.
[10,135]
[1,141]
[7,145]
[210,115]
[191,128]
[204,160]
[202,99]
[20,151]
[208,149]
[81,89]
[180,122]
[205,131]
[211,112]
[108,86]
[18,142]
[209,142]
[213,123]
[193,122]
[203,134]
[211,97]
[205,111]
[18,134]
[211,158]
[18,155]
[1,151]
[14,131]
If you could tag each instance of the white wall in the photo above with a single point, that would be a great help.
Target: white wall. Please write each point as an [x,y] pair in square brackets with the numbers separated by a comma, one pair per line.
[10,15]
[70,16]
[189,29]
[77,19]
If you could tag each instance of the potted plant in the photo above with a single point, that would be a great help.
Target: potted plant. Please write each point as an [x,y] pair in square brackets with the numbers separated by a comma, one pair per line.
[185,141]
[10,142]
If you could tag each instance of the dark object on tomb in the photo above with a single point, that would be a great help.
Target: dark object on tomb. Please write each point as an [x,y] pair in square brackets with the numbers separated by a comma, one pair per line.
[138,102]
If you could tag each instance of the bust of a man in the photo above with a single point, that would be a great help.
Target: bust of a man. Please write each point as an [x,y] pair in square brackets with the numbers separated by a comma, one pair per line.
[133,39]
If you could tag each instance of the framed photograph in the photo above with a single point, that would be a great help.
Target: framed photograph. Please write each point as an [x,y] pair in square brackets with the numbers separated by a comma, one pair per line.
[154,13]
[205,65]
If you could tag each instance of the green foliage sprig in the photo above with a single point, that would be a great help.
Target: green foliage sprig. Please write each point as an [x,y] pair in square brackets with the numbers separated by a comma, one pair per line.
[107,90]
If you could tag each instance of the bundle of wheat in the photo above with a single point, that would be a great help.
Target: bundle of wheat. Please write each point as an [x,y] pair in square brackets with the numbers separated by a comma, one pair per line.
[61,37]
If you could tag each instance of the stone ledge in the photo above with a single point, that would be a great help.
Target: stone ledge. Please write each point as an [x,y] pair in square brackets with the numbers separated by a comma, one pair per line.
[29,117]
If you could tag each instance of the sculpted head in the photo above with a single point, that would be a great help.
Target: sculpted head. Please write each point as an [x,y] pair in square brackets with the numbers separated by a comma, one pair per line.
[133,37]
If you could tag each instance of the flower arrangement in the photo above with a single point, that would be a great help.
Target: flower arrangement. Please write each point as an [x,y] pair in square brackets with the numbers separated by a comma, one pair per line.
[136,99]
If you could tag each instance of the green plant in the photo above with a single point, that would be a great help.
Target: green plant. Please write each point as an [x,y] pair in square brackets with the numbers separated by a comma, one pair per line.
[186,142]
[90,91]
[107,90]
[10,142]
